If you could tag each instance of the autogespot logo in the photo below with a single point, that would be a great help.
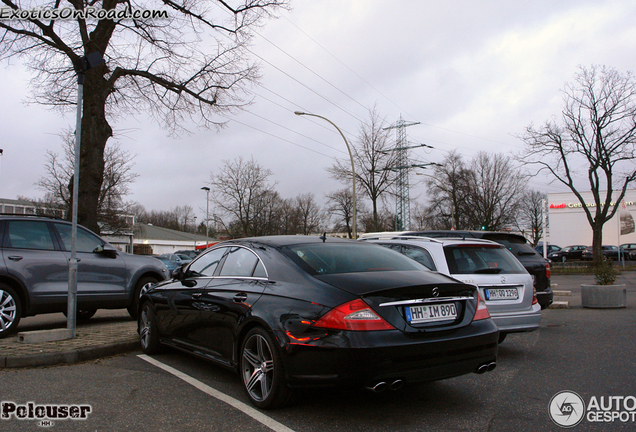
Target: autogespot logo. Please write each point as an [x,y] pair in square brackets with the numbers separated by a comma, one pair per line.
[567,409]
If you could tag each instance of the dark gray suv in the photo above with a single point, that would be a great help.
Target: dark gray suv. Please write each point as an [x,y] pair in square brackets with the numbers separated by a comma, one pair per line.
[35,265]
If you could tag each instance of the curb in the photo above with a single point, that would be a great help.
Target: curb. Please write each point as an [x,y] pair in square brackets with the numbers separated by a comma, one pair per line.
[68,357]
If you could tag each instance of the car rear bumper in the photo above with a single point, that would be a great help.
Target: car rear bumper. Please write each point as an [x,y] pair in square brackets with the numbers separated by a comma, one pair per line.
[545,298]
[518,321]
[354,359]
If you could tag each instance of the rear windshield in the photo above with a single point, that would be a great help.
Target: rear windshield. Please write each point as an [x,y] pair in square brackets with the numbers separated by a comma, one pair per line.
[516,245]
[481,259]
[333,258]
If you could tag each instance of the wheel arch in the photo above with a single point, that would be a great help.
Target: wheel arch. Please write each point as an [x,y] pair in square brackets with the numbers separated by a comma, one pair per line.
[20,290]
[245,329]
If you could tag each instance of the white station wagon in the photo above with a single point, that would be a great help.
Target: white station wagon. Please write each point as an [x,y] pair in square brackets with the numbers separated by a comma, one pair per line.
[504,284]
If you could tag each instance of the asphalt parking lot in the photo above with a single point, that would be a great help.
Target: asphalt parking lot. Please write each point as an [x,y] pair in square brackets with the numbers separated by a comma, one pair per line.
[590,352]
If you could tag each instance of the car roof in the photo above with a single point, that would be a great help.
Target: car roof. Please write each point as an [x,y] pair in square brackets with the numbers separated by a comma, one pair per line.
[391,237]
[286,240]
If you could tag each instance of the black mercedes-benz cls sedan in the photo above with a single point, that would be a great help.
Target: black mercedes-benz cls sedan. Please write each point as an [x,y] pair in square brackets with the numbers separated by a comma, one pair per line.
[300,311]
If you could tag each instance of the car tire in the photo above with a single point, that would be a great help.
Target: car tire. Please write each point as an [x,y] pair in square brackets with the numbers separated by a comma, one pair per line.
[10,310]
[564,258]
[143,285]
[148,330]
[262,371]
[502,337]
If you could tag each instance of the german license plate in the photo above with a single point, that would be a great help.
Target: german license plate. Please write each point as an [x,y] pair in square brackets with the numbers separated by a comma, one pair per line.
[501,293]
[431,313]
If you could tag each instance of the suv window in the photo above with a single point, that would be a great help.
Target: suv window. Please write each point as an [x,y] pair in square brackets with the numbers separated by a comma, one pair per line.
[481,259]
[29,235]
[86,242]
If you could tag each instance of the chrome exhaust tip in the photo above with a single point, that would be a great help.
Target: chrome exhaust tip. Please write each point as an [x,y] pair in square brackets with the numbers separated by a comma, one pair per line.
[379,387]
[397,384]
[486,367]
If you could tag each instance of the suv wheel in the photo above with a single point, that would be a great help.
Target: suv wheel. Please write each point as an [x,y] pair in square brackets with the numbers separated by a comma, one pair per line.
[10,310]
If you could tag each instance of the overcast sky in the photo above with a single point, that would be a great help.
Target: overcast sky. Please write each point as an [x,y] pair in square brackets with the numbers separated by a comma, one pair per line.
[472,73]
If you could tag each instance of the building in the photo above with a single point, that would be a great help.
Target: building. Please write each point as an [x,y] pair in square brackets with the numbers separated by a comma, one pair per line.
[151,240]
[568,224]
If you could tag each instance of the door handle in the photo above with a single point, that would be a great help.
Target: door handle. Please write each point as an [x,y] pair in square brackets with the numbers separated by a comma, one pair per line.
[197,294]
[240,298]
[15,258]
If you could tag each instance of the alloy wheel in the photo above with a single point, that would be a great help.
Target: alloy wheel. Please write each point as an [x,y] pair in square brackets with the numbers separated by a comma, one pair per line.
[8,310]
[258,367]
[145,329]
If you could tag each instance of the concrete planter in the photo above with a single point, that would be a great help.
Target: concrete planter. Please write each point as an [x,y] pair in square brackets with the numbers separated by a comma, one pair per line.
[603,296]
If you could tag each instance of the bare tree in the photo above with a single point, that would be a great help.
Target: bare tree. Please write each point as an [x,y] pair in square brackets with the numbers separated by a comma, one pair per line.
[448,189]
[190,61]
[241,191]
[496,191]
[530,216]
[596,137]
[340,207]
[308,214]
[118,176]
[371,157]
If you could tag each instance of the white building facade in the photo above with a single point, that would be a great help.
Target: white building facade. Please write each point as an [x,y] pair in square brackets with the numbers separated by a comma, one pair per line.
[568,224]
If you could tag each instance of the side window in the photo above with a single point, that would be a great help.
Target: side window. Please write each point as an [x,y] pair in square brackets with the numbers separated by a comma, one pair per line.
[29,235]
[420,255]
[259,271]
[86,241]
[239,262]
[206,263]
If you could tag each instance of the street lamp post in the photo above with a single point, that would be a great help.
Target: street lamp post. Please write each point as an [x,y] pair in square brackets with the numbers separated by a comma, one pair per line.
[353,169]
[207,213]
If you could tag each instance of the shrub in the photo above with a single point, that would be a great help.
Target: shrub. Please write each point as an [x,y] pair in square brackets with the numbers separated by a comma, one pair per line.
[605,273]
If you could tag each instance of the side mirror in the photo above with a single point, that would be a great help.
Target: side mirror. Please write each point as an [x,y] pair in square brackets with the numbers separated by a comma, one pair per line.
[177,273]
[107,250]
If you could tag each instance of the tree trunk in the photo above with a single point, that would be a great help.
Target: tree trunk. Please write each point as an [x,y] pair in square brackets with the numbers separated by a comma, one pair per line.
[597,242]
[95,133]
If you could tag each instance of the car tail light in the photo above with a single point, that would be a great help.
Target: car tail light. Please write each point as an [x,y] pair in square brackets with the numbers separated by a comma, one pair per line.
[482,310]
[534,296]
[548,272]
[355,315]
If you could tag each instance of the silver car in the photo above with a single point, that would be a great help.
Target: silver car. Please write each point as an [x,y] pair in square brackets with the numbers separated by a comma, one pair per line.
[504,284]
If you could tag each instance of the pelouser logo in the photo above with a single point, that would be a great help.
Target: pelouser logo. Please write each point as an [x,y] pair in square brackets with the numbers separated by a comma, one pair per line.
[567,409]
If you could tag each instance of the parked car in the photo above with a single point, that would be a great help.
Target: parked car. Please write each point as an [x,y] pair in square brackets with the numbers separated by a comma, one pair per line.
[629,251]
[301,311]
[34,272]
[535,264]
[609,253]
[568,253]
[184,258]
[192,254]
[503,282]
[549,249]
[172,261]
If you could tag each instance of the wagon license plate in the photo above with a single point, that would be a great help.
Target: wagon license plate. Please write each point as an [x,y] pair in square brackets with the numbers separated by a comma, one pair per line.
[501,293]
[431,313]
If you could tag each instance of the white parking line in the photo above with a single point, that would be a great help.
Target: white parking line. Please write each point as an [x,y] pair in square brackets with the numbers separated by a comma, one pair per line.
[256,415]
